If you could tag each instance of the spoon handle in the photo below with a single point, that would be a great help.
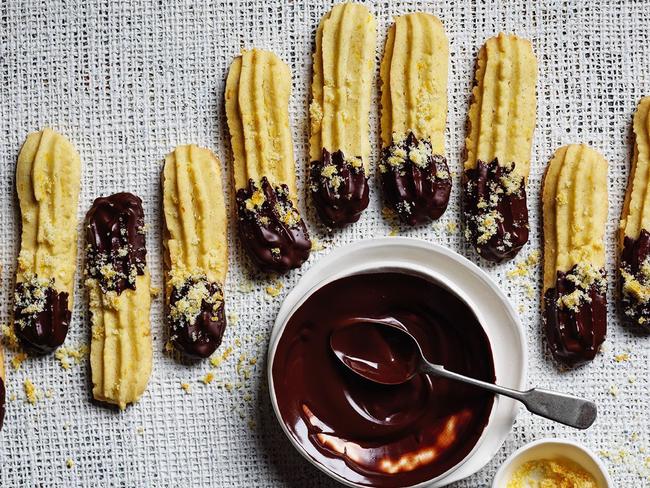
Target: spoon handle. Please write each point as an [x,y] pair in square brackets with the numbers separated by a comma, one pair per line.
[566,409]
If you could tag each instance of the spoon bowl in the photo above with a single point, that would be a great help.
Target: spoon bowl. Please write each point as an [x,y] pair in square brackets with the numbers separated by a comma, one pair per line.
[380,350]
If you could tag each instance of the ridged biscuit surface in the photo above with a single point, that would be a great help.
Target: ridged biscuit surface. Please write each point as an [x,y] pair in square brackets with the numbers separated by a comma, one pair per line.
[343,67]
[575,216]
[196,249]
[414,172]
[501,122]
[257,97]
[47,183]
[118,284]
[634,232]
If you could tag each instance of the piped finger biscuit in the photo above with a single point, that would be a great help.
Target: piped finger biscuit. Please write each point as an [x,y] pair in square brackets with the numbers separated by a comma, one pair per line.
[196,249]
[343,66]
[575,215]
[118,284]
[634,232]
[264,172]
[414,173]
[501,123]
[47,182]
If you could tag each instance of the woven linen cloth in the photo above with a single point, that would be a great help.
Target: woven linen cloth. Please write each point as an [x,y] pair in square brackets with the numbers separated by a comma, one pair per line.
[126,81]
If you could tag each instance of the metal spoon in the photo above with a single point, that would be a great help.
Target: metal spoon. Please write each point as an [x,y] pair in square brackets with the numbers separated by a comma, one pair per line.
[383,351]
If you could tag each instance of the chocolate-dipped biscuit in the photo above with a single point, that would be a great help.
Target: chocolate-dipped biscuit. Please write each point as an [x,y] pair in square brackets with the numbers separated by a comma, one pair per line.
[634,229]
[271,228]
[47,183]
[414,173]
[343,66]
[575,215]
[501,122]
[196,249]
[264,172]
[118,285]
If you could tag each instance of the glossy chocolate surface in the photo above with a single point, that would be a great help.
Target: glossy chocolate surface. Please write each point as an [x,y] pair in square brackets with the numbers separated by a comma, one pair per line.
[200,337]
[115,238]
[340,190]
[635,253]
[574,335]
[3,395]
[272,230]
[377,351]
[383,435]
[418,187]
[496,215]
[41,328]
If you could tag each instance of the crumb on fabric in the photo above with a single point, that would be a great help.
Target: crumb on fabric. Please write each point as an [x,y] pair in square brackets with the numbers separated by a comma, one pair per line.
[18,360]
[523,267]
[274,289]
[216,361]
[67,356]
[316,245]
[619,358]
[233,318]
[208,378]
[9,338]
[31,392]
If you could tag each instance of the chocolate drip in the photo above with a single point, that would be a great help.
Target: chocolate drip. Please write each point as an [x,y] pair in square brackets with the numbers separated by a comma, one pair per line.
[198,336]
[41,315]
[635,273]
[116,241]
[575,333]
[340,188]
[495,211]
[416,182]
[3,395]
[271,228]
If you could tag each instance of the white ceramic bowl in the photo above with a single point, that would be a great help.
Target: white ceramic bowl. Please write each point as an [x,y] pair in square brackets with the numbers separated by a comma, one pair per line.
[549,449]
[459,275]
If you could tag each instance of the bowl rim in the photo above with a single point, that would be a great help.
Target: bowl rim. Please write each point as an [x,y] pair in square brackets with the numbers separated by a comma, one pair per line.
[297,297]
[567,443]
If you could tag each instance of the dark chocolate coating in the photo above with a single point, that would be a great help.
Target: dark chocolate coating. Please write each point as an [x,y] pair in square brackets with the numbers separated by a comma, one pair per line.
[574,337]
[200,338]
[3,395]
[274,244]
[416,193]
[341,205]
[41,332]
[636,313]
[479,184]
[321,400]
[112,224]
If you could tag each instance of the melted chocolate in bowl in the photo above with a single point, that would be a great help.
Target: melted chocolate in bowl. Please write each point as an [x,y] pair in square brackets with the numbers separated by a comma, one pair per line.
[383,435]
